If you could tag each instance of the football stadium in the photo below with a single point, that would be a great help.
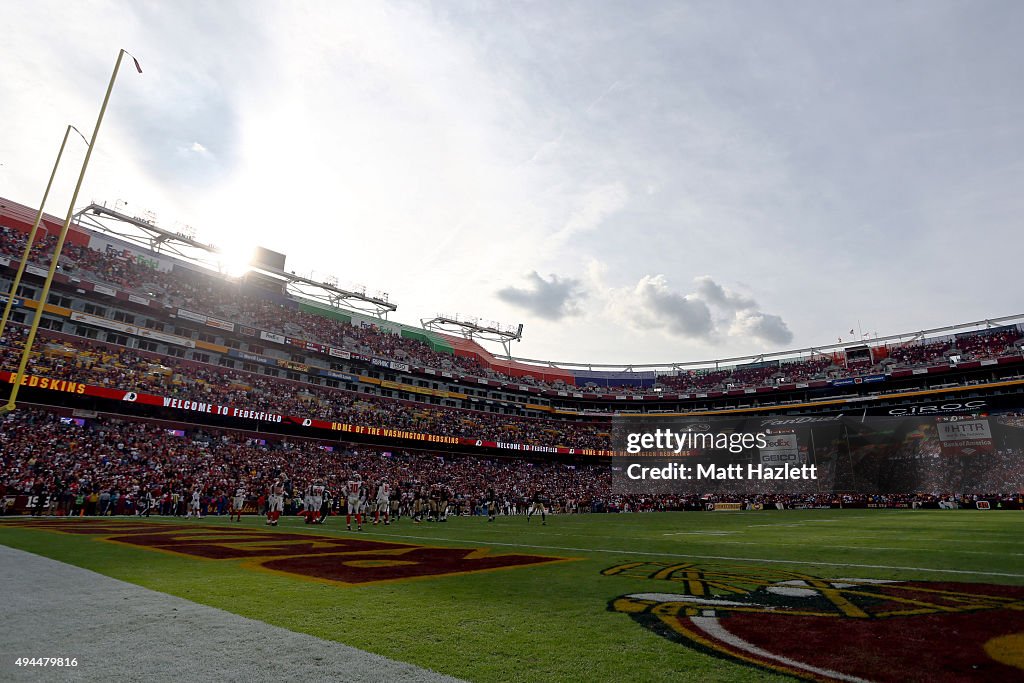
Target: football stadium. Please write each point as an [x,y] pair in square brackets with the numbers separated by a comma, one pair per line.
[224,469]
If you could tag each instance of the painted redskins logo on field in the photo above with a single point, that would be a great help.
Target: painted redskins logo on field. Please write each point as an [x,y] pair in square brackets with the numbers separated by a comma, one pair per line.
[839,629]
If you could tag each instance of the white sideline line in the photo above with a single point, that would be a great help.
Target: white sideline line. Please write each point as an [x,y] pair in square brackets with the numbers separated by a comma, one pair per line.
[874,547]
[833,520]
[697,557]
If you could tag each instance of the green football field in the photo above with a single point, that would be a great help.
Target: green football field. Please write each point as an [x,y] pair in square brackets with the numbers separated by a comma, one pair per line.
[595,597]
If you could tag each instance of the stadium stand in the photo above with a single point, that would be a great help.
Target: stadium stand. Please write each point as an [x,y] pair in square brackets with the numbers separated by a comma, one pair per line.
[210,295]
[116,321]
[103,365]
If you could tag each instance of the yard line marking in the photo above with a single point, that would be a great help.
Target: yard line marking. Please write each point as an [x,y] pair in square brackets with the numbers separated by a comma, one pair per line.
[812,521]
[700,557]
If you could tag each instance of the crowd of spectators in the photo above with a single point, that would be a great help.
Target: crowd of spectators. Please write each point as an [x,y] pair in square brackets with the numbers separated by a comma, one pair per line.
[12,243]
[100,465]
[977,346]
[120,462]
[99,364]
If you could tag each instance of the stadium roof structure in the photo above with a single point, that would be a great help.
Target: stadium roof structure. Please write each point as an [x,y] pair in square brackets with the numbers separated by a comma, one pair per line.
[182,244]
[935,333]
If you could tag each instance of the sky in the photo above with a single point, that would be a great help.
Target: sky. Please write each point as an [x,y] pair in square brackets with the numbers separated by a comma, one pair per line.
[633,182]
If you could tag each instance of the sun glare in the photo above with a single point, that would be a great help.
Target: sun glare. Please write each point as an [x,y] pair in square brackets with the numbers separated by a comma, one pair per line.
[234,262]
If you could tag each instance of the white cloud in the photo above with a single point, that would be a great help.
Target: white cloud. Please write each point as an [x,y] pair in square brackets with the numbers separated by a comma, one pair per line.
[554,298]
[660,307]
[711,314]
[719,296]
[764,327]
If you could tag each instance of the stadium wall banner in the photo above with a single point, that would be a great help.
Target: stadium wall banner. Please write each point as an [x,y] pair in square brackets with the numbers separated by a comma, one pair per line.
[334,374]
[338,353]
[136,299]
[49,308]
[103,289]
[398,386]
[440,393]
[850,381]
[189,406]
[964,437]
[103,322]
[167,338]
[189,315]
[389,364]
[220,324]
[782,448]
[108,324]
[18,302]
[292,365]
[949,407]
[122,251]
[724,507]
[246,356]
[272,337]
[642,378]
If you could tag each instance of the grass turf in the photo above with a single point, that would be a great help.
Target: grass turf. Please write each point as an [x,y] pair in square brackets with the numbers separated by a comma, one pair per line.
[551,622]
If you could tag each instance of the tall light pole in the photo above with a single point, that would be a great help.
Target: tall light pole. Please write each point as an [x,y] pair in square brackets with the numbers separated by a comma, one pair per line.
[27,351]
[35,229]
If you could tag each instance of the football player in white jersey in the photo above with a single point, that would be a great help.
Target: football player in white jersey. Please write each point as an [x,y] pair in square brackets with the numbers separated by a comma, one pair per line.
[325,505]
[193,504]
[307,504]
[275,501]
[313,501]
[383,504]
[237,503]
[353,487]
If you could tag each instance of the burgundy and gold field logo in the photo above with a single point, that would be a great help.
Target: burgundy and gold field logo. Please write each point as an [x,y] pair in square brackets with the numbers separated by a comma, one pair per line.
[841,629]
[339,560]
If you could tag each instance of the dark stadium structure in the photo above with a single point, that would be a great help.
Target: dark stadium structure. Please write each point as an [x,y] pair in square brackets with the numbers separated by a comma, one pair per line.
[140,326]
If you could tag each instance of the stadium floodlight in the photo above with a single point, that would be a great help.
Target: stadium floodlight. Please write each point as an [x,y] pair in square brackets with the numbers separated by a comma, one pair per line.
[41,307]
[471,328]
[35,228]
